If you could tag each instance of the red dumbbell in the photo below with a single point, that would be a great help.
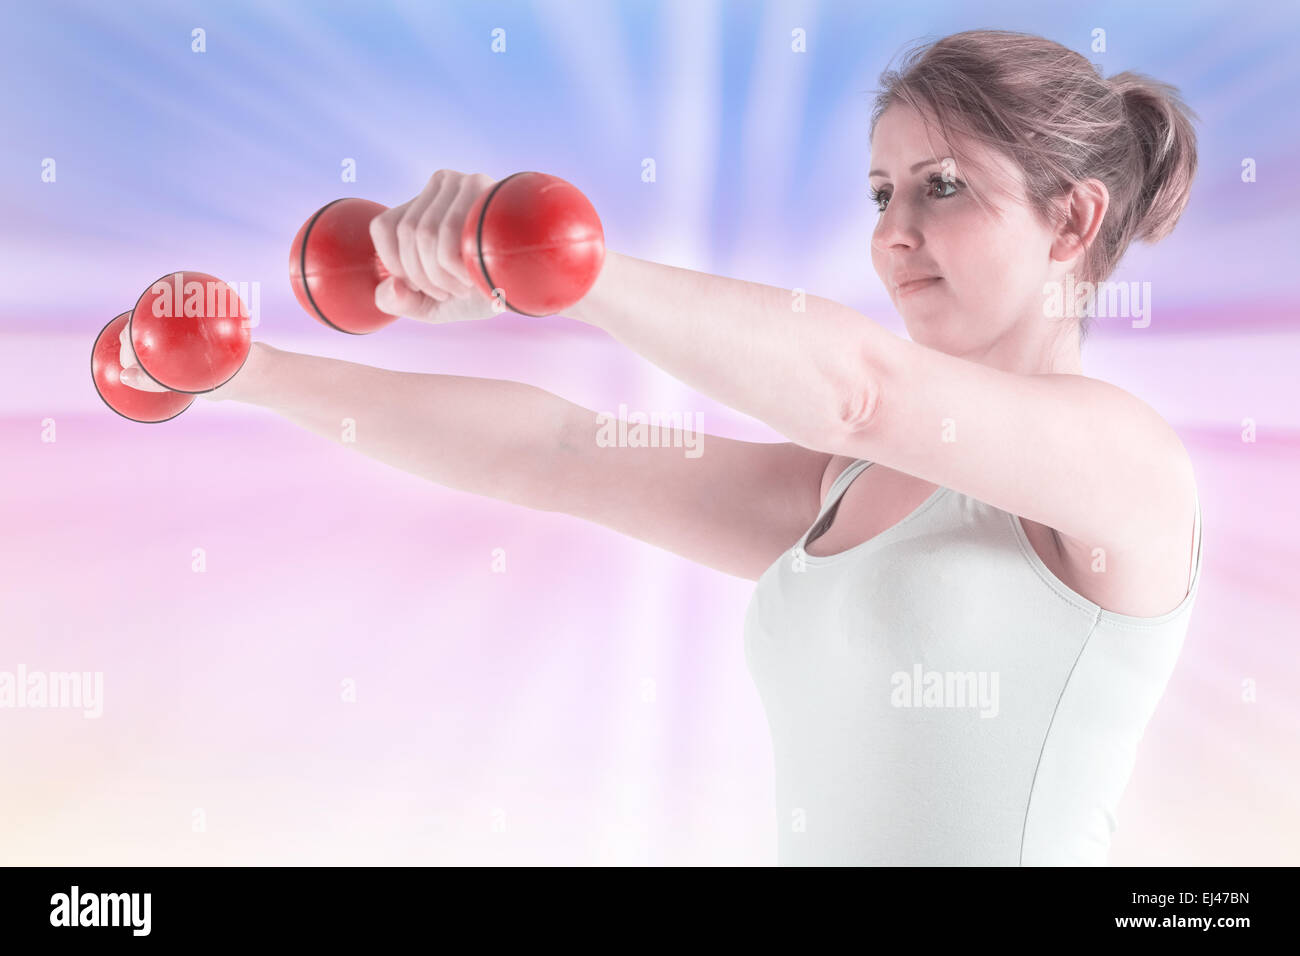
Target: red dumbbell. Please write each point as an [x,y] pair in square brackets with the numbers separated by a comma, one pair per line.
[533,236]
[132,403]
[190,334]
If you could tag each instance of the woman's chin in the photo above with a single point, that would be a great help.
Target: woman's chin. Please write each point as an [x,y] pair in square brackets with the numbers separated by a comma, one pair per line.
[924,323]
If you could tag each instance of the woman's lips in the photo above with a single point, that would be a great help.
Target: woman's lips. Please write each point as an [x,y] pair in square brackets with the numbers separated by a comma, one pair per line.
[907,288]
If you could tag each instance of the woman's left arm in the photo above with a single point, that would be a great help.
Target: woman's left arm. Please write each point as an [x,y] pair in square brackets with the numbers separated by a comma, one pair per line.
[788,359]
[1073,453]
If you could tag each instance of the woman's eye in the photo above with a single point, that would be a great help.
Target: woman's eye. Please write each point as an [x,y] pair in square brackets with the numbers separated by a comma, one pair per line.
[940,181]
[879,196]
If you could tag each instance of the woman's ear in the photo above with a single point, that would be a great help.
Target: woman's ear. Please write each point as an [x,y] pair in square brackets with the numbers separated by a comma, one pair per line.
[1085,207]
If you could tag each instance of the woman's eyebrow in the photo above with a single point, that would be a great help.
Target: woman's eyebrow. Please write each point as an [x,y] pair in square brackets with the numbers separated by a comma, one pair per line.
[915,167]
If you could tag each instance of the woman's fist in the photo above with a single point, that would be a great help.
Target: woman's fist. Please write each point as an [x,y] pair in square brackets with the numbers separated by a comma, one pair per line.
[132,374]
[419,244]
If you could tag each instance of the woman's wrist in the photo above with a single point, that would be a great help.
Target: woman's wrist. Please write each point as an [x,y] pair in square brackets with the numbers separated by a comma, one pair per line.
[244,385]
[593,305]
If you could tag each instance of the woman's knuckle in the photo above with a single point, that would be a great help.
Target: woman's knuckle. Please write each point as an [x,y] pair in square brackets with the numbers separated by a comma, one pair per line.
[454,280]
[382,225]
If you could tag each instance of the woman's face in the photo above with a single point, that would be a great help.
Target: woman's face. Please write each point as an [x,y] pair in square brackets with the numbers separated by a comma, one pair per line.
[988,297]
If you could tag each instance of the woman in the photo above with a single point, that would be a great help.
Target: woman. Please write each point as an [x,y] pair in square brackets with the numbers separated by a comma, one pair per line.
[975,564]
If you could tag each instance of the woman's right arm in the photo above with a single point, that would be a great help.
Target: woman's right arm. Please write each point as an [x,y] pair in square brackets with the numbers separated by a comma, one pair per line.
[480,435]
[735,507]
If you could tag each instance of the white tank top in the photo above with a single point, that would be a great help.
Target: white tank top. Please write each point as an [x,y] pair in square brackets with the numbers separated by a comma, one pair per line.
[937,696]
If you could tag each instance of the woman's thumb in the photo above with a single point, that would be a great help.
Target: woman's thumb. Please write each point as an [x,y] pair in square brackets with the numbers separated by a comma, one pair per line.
[134,377]
[395,297]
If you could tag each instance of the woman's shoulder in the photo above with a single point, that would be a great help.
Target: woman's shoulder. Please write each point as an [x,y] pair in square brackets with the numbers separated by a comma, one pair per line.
[1152,576]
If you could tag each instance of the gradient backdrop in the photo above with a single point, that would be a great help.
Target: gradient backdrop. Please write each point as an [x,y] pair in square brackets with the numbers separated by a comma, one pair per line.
[591,704]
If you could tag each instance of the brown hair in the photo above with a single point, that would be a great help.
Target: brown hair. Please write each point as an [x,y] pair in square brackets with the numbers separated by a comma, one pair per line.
[1050,112]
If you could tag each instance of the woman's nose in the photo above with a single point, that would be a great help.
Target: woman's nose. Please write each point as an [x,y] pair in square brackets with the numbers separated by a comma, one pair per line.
[894,228]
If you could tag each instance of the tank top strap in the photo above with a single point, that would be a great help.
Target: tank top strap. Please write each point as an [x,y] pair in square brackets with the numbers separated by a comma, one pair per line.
[841,483]
[1196,546]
